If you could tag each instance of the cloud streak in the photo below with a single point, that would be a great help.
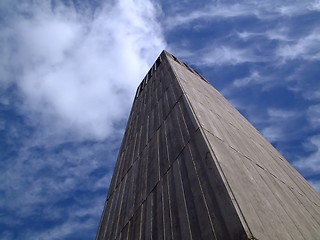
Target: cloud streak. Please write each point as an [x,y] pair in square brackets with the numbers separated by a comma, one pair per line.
[216,10]
[306,47]
[227,55]
[311,164]
[209,12]
[253,78]
[313,115]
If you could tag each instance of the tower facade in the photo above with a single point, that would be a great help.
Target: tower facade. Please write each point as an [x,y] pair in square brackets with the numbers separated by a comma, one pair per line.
[192,167]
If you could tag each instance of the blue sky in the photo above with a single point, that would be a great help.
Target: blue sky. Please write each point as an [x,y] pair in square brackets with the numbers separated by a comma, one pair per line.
[69,70]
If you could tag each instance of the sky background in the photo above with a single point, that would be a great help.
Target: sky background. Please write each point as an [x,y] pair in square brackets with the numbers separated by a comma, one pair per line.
[69,70]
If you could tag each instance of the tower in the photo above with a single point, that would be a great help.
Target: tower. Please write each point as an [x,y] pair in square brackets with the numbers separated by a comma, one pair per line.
[192,167]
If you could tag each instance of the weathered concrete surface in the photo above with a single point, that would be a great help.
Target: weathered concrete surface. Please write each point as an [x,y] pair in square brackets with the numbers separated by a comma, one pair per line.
[192,167]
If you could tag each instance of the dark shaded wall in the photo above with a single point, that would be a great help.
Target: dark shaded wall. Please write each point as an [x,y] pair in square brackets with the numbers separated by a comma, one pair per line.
[164,184]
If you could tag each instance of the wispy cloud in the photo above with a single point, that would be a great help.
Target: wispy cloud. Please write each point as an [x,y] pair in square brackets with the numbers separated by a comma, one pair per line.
[226,55]
[245,35]
[215,11]
[81,219]
[253,78]
[273,133]
[74,72]
[265,40]
[315,184]
[290,46]
[296,7]
[39,176]
[315,5]
[278,124]
[279,33]
[311,164]
[280,114]
[313,115]
[314,95]
[208,12]
[306,47]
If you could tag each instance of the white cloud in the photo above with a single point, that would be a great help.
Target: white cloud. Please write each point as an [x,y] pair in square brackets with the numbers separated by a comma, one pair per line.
[266,80]
[314,95]
[208,12]
[225,55]
[313,115]
[310,164]
[245,35]
[315,184]
[280,114]
[289,10]
[273,133]
[253,78]
[77,74]
[262,10]
[307,47]
[315,6]
[279,33]
[278,128]
[298,7]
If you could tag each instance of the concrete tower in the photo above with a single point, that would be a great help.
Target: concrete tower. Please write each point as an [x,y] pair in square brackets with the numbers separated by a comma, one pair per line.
[192,167]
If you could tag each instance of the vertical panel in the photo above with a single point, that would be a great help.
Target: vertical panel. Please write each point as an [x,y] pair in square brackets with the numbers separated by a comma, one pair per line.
[174,135]
[166,209]
[134,189]
[148,225]
[183,217]
[143,221]
[163,151]
[136,226]
[173,205]
[171,96]
[144,135]
[152,165]
[137,194]
[114,222]
[115,176]
[166,104]
[154,219]
[160,213]
[151,129]
[160,112]
[124,234]
[139,141]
